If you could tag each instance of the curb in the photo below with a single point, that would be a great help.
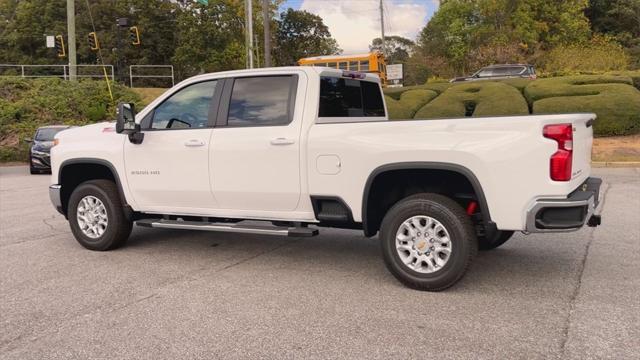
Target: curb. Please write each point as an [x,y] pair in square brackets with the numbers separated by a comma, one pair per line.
[615,164]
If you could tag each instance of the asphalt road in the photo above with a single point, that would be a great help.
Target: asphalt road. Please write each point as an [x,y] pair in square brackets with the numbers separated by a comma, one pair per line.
[187,294]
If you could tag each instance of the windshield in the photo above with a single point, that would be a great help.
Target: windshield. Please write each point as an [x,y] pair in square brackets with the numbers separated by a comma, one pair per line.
[47,134]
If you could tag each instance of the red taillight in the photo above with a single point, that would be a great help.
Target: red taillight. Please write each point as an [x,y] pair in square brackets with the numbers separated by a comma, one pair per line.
[560,163]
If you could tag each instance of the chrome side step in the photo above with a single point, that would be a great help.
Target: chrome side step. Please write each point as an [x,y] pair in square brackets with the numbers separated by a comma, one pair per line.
[232,228]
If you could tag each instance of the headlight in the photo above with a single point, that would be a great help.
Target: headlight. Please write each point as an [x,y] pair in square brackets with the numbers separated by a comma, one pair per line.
[39,153]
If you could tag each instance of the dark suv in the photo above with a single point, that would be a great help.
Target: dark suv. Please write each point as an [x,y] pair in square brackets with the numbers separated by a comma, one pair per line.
[39,161]
[497,72]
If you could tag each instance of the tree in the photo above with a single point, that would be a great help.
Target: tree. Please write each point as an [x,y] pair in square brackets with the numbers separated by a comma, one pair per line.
[210,37]
[620,19]
[156,21]
[301,34]
[473,33]
[24,24]
[398,49]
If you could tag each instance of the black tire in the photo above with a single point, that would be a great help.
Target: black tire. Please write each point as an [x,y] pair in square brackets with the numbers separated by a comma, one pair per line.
[462,236]
[118,227]
[33,171]
[499,238]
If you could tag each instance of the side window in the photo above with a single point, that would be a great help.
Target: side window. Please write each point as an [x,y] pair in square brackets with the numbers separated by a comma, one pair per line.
[353,65]
[503,71]
[186,109]
[349,98]
[262,101]
[364,65]
[517,70]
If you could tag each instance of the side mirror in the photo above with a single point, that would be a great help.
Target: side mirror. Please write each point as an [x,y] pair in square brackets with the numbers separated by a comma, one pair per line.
[126,120]
[126,123]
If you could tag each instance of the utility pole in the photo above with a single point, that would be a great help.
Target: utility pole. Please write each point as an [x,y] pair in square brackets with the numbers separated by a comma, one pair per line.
[71,39]
[249,34]
[384,47]
[266,20]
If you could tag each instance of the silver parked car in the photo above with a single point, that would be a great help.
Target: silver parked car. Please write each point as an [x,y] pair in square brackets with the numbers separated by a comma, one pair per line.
[497,72]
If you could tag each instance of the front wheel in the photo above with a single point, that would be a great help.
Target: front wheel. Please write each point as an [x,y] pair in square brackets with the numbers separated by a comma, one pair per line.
[96,216]
[428,241]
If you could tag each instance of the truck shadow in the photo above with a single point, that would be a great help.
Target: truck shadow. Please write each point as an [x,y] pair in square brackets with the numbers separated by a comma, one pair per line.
[522,263]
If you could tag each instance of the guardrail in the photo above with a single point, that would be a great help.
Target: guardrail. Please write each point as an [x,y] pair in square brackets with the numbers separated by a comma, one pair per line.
[60,71]
[132,76]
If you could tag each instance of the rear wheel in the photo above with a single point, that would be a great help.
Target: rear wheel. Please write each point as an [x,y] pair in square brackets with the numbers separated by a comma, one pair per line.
[96,216]
[428,241]
[499,238]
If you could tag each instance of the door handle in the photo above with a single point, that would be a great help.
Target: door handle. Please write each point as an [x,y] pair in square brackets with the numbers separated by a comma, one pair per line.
[194,143]
[282,141]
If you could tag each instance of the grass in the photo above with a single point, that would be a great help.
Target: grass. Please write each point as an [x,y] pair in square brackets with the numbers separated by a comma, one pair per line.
[616,148]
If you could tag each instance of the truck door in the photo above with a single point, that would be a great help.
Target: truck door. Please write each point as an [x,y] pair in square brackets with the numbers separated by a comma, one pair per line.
[255,147]
[170,168]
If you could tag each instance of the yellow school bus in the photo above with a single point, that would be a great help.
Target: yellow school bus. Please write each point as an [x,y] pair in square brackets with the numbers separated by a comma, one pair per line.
[373,62]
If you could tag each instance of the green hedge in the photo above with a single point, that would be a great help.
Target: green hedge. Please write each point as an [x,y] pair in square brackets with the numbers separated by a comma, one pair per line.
[476,99]
[26,104]
[438,88]
[409,102]
[614,98]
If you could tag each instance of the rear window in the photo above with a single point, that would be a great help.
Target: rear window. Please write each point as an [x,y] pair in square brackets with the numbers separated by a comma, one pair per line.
[350,98]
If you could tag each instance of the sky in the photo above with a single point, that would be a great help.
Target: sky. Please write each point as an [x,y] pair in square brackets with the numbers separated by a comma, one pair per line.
[354,23]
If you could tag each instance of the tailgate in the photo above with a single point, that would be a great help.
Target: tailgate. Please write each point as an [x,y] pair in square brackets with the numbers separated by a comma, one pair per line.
[582,143]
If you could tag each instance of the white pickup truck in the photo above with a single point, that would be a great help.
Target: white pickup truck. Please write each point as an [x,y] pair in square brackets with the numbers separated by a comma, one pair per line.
[299,148]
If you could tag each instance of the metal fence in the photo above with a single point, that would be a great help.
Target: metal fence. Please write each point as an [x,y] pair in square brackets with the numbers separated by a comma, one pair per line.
[147,76]
[54,71]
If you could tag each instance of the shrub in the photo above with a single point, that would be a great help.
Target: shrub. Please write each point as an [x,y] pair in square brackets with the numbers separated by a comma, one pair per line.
[570,86]
[476,99]
[409,102]
[395,93]
[517,83]
[612,98]
[602,53]
[634,75]
[26,104]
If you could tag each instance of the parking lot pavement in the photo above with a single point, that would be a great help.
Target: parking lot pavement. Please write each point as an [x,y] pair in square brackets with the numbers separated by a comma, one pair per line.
[173,294]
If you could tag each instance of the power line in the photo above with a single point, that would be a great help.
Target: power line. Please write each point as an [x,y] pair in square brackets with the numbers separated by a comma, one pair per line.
[104,69]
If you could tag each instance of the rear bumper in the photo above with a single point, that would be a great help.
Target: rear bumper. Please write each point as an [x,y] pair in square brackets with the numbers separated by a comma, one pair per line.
[56,199]
[570,214]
